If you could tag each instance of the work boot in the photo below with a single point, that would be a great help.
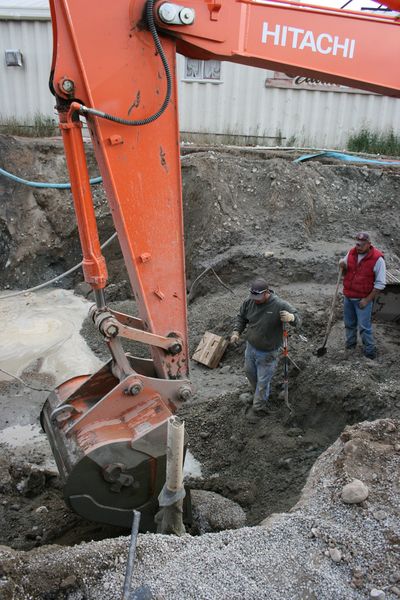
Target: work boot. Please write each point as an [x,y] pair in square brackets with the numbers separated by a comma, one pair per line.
[350,351]
[254,416]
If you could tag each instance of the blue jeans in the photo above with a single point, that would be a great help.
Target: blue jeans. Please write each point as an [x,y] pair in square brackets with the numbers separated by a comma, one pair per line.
[354,317]
[260,366]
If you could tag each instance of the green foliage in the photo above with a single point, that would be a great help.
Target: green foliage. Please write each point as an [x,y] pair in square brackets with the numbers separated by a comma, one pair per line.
[41,126]
[374,143]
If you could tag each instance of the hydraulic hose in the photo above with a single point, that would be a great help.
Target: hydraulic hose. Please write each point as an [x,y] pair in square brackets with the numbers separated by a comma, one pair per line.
[84,110]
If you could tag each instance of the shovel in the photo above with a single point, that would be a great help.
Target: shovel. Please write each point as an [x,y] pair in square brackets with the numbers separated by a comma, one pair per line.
[322,350]
[286,367]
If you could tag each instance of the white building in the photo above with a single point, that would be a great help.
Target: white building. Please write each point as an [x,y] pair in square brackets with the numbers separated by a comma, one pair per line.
[219,102]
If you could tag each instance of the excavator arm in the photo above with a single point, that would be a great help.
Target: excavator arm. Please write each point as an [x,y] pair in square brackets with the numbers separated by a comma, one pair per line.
[114,64]
[349,48]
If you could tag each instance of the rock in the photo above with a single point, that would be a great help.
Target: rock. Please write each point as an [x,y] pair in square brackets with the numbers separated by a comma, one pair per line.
[358,573]
[83,289]
[246,398]
[345,436]
[380,515]
[212,512]
[41,509]
[314,532]
[30,481]
[377,594]
[350,447]
[358,578]
[355,492]
[335,554]
[224,370]
[68,582]
[395,590]
[294,432]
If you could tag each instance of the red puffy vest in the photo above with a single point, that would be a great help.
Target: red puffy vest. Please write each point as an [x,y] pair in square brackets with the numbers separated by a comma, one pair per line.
[360,277]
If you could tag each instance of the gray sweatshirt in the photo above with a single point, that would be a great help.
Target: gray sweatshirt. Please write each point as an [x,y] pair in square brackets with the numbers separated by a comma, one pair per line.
[263,323]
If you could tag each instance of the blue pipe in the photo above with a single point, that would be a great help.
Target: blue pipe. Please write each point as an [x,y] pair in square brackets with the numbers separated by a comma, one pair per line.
[347,158]
[35,184]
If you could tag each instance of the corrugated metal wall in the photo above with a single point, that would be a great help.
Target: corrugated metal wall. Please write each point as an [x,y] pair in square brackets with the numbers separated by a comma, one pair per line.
[24,90]
[240,109]
[243,106]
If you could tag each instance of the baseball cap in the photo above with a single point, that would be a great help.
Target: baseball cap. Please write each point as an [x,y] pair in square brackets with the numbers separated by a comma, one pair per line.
[258,287]
[362,236]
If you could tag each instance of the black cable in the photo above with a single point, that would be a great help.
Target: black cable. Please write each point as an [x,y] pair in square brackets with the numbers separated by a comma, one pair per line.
[152,28]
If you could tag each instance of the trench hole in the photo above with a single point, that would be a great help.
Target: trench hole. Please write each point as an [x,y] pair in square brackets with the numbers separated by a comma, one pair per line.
[262,467]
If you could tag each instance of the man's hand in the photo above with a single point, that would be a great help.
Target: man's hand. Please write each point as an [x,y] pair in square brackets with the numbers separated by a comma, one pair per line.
[363,302]
[286,317]
[234,337]
[342,264]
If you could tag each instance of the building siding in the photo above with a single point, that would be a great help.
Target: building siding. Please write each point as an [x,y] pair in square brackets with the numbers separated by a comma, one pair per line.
[24,90]
[243,106]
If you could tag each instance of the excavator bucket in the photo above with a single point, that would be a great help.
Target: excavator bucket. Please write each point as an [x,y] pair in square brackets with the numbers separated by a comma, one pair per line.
[109,439]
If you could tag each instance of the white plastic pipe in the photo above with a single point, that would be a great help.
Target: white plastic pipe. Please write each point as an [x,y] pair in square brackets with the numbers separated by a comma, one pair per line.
[175,443]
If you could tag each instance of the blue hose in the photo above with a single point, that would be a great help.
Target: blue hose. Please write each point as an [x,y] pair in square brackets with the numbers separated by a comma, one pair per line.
[36,184]
[347,158]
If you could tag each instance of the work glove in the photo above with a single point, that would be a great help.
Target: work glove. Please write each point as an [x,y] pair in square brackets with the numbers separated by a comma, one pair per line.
[363,303]
[286,317]
[234,337]
[342,264]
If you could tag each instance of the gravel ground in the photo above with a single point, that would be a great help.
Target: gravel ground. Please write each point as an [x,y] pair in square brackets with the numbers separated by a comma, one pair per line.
[323,549]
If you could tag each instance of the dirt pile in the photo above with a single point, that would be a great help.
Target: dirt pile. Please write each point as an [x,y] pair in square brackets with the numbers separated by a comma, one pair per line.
[239,207]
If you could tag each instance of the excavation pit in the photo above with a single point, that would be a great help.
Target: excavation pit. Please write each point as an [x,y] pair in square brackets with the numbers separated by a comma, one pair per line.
[247,213]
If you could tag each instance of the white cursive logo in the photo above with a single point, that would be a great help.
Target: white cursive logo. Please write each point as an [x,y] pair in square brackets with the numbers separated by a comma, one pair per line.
[300,39]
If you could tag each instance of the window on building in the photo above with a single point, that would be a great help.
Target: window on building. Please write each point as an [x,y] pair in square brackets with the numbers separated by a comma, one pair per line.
[202,70]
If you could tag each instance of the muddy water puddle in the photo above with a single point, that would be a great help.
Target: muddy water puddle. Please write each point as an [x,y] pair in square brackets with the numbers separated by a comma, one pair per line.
[45,326]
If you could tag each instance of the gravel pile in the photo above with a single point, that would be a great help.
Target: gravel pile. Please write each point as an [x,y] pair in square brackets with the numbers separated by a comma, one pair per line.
[323,549]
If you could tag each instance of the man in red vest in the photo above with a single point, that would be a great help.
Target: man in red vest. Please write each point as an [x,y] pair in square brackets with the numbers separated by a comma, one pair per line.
[364,277]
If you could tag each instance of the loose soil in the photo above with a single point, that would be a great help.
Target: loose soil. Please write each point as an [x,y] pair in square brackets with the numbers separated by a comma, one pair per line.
[247,213]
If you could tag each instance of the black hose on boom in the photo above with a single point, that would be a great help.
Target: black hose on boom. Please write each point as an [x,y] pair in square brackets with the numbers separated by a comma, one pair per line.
[84,110]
